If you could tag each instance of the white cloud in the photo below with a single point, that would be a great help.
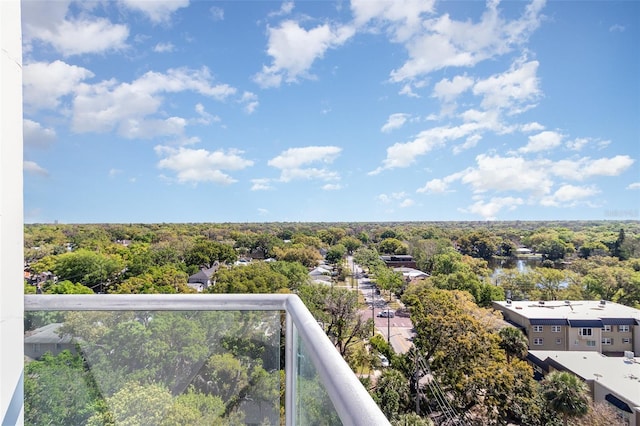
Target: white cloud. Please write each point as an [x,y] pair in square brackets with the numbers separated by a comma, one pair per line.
[291,162]
[469,143]
[75,36]
[261,184]
[435,186]
[294,49]
[200,165]
[395,121]
[616,28]
[405,154]
[577,144]
[490,209]
[501,174]
[393,197]
[448,90]
[331,187]
[584,168]
[33,168]
[250,101]
[635,185]
[443,42]
[36,136]
[515,90]
[164,47]
[126,107]
[568,195]
[45,83]
[531,127]
[158,11]
[217,13]
[285,9]
[407,203]
[403,17]
[205,117]
[114,172]
[543,141]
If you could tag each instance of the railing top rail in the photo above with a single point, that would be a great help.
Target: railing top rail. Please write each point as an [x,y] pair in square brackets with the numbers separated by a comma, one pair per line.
[155,302]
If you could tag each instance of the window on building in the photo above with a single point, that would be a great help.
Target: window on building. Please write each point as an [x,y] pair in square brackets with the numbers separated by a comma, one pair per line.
[558,341]
[591,343]
[585,332]
[538,341]
[607,341]
[538,328]
[606,328]
[626,340]
[623,328]
[555,328]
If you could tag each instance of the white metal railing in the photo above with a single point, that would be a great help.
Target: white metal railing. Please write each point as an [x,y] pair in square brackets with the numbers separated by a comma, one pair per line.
[350,399]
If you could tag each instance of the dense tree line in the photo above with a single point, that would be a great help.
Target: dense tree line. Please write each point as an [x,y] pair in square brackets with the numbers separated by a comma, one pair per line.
[184,367]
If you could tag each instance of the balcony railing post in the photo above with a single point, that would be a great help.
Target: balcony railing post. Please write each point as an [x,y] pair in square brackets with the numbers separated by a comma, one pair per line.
[290,371]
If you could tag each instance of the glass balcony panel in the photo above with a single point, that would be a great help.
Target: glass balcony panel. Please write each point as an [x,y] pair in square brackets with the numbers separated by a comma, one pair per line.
[313,405]
[153,368]
[185,360]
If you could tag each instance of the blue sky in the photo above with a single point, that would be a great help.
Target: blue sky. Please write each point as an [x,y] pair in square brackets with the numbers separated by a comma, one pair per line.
[264,111]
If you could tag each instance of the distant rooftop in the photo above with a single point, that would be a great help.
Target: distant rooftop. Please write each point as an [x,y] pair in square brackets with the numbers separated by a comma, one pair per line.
[573,309]
[620,375]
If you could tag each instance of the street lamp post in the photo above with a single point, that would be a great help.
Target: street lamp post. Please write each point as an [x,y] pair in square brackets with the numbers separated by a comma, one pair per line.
[373,312]
[388,326]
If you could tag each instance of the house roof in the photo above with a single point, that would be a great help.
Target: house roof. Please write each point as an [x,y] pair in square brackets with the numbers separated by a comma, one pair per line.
[47,334]
[621,376]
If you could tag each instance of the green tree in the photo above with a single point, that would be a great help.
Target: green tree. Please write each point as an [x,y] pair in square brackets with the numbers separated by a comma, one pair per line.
[96,271]
[514,343]
[566,395]
[392,393]
[337,310]
[135,405]
[59,391]
[351,244]
[479,243]
[336,253]
[67,287]
[206,253]
[392,246]
[257,277]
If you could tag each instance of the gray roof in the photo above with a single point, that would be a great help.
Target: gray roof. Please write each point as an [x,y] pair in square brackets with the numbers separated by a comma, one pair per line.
[570,310]
[47,334]
[620,375]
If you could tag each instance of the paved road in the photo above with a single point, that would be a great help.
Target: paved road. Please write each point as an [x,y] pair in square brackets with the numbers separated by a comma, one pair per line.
[398,327]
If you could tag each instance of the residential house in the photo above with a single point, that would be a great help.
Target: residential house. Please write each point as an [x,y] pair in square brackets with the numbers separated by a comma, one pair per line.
[201,280]
[47,339]
[398,260]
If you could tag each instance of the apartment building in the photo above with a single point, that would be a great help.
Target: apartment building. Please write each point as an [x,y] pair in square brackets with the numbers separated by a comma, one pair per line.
[611,380]
[584,325]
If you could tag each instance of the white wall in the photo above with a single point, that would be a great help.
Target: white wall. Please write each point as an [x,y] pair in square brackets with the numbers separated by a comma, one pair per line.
[11,218]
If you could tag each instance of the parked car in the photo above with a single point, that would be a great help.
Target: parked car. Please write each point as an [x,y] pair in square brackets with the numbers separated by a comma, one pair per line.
[387,313]
[404,312]
[383,360]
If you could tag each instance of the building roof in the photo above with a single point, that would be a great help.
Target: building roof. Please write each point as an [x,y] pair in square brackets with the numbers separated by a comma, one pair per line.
[620,375]
[411,272]
[575,312]
[47,334]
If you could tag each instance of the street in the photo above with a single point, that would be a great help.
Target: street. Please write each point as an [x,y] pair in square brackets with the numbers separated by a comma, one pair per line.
[400,328]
